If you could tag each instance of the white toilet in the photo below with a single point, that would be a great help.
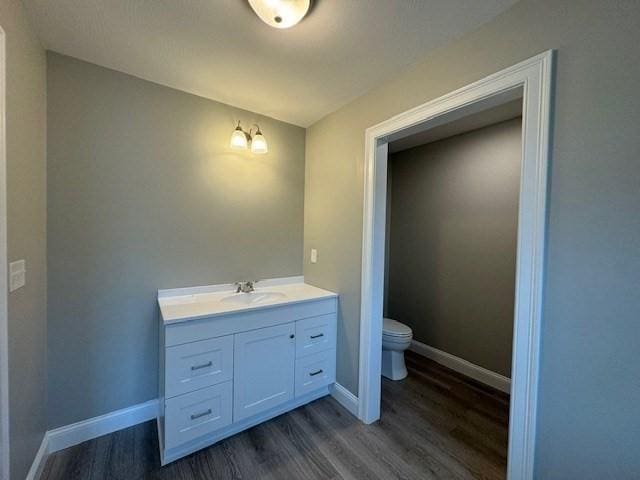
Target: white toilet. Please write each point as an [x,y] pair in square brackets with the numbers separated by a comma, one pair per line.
[396,338]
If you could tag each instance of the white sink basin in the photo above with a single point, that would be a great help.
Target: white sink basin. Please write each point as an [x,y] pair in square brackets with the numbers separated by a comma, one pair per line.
[253,298]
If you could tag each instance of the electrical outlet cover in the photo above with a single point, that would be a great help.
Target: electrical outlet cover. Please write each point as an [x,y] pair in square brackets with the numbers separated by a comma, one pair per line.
[17,275]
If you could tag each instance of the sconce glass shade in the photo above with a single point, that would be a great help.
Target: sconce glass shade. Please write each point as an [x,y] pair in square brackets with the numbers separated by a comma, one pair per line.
[280,13]
[238,139]
[259,143]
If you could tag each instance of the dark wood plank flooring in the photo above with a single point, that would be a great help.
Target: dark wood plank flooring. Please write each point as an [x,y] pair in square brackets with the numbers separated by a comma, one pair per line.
[436,424]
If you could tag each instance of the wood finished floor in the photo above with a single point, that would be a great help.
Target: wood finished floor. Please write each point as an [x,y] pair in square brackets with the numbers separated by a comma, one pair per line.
[435,424]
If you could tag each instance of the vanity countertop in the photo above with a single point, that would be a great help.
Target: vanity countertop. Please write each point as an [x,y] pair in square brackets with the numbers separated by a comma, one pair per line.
[183,304]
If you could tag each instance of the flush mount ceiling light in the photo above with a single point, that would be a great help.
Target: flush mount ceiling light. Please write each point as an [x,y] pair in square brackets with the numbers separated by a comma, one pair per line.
[280,13]
[241,139]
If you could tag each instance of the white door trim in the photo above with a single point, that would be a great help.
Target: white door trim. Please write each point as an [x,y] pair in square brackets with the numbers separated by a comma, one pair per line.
[534,76]
[4,314]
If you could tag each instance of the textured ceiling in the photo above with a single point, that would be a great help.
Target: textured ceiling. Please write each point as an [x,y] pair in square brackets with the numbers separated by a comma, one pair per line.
[219,49]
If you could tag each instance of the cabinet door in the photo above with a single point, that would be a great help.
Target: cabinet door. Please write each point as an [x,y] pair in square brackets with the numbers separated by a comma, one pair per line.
[263,373]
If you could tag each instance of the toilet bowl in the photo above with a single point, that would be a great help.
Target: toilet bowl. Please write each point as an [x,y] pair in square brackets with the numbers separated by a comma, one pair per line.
[396,338]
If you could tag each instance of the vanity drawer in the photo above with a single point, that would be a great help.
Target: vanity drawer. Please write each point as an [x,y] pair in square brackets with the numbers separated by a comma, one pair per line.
[315,334]
[315,371]
[195,414]
[197,365]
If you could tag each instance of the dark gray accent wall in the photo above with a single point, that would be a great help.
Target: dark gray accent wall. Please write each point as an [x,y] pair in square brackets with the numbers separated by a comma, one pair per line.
[453,225]
[145,193]
[589,394]
[26,234]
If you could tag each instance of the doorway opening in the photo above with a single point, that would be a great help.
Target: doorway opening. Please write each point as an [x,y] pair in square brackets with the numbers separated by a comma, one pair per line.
[531,81]
[450,251]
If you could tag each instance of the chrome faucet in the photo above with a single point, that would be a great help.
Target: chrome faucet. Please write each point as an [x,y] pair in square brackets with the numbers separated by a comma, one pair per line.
[245,287]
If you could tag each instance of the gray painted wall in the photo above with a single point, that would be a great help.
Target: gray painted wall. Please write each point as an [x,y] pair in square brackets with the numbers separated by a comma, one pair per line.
[452,242]
[589,394]
[144,193]
[26,231]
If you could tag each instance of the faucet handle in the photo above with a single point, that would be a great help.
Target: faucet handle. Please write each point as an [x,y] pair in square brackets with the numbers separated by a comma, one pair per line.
[245,287]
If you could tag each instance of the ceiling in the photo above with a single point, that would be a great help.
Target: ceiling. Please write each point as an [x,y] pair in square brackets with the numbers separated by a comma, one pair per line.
[219,49]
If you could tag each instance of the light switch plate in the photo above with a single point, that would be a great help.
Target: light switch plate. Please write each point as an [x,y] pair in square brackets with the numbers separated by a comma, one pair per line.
[17,275]
[314,255]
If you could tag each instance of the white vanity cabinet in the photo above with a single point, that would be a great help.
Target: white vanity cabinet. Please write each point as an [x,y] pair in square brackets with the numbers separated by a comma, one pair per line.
[224,373]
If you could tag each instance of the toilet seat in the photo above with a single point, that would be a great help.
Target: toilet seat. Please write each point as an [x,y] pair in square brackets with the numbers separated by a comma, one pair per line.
[393,328]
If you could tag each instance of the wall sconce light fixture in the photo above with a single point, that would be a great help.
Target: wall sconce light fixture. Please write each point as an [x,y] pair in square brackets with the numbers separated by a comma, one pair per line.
[241,139]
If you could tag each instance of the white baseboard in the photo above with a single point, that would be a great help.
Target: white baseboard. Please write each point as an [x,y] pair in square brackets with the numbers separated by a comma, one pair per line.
[459,365]
[79,432]
[40,459]
[76,433]
[345,398]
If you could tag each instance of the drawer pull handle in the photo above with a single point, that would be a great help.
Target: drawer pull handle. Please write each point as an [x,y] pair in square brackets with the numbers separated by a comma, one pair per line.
[195,416]
[204,365]
[317,372]
[318,335]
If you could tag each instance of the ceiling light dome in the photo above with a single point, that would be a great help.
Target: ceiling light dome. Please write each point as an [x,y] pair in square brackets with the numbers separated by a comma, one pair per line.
[280,13]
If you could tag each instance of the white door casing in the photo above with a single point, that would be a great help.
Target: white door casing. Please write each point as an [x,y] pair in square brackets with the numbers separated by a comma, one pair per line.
[534,78]
[4,315]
